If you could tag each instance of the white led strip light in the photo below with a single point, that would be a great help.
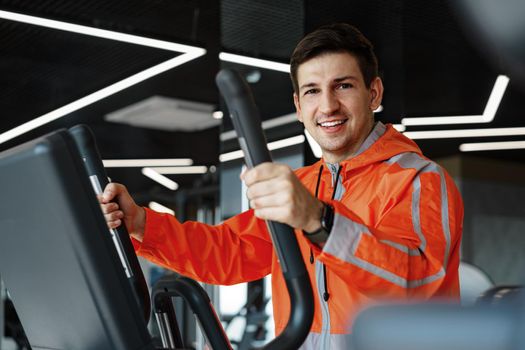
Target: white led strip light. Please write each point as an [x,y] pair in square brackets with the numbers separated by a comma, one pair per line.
[294,140]
[161,179]
[488,114]
[178,170]
[188,53]
[255,62]
[491,146]
[461,133]
[139,163]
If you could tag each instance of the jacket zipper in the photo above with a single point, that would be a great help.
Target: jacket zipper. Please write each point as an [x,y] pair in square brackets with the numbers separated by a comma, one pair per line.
[326,295]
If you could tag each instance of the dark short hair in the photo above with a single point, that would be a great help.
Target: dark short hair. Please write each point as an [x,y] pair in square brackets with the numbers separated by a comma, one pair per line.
[332,38]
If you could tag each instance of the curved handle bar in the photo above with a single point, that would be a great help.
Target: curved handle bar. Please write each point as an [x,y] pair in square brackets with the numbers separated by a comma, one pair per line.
[86,144]
[199,303]
[247,124]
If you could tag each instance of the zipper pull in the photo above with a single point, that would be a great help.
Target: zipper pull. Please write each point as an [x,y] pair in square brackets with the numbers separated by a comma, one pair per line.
[326,295]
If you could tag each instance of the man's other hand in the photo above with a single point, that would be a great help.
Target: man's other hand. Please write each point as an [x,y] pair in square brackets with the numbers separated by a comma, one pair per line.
[118,205]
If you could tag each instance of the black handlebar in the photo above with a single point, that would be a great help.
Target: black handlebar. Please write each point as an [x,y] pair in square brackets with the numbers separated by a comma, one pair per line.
[199,302]
[86,144]
[247,124]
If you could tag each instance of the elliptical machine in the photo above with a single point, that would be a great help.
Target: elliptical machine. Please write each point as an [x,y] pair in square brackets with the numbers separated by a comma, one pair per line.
[247,124]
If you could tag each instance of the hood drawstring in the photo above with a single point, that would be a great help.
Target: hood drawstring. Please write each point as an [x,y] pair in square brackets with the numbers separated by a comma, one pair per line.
[326,295]
[316,193]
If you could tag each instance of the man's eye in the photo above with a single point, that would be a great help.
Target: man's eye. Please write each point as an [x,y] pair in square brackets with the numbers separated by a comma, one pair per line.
[310,92]
[344,86]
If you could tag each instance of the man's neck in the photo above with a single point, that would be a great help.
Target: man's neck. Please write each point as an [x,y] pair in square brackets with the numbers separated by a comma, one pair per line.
[335,158]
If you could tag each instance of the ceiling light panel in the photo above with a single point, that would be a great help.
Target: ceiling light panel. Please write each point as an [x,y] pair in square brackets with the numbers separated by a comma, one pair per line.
[185,53]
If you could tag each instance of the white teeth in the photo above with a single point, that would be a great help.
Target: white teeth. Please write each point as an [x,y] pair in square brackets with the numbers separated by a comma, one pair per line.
[334,123]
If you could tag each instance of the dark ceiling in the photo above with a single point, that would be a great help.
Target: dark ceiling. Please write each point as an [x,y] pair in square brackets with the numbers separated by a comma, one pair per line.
[430,62]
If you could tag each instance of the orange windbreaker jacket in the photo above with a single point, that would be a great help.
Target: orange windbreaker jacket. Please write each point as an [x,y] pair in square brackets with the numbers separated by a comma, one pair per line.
[396,235]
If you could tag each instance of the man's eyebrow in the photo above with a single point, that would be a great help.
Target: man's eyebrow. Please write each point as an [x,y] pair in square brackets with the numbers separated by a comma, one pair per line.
[307,85]
[346,77]
[336,80]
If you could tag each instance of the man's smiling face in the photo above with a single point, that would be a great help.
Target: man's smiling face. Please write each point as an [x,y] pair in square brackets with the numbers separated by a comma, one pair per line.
[334,103]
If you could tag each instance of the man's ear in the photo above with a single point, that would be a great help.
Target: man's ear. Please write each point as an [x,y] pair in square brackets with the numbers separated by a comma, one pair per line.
[376,93]
[297,107]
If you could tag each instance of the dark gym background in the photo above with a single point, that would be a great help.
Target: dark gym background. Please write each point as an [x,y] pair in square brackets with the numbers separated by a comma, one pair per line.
[432,63]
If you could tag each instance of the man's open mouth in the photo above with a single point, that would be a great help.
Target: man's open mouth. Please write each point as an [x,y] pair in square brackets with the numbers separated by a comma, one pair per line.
[332,123]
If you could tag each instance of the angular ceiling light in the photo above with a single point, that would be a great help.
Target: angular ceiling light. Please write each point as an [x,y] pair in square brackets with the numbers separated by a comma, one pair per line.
[488,114]
[294,140]
[188,53]
[139,163]
[460,133]
[254,62]
[161,179]
[177,170]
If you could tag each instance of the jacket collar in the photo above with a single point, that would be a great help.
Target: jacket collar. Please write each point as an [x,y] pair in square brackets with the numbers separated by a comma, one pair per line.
[383,142]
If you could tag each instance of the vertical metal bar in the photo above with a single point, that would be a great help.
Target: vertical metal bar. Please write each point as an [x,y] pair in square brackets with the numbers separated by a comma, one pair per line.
[2,312]
[206,214]
[200,341]
[165,333]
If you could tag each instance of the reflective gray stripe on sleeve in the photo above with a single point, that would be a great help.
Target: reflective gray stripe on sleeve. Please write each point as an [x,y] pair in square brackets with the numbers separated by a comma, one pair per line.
[444,216]
[414,161]
[403,248]
[416,223]
[427,280]
[336,341]
[416,217]
[344,244]
[346,234]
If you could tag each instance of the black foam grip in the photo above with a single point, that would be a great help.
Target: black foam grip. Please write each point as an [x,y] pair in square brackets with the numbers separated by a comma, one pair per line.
[86,144]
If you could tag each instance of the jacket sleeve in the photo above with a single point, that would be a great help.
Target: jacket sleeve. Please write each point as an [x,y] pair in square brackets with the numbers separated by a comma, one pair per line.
[238,250]
[412,246]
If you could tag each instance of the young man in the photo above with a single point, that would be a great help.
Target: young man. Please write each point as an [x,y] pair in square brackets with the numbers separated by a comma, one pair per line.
[374,218]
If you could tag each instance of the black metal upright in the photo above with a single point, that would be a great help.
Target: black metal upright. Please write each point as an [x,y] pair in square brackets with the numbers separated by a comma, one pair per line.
[247,124]
[88,149]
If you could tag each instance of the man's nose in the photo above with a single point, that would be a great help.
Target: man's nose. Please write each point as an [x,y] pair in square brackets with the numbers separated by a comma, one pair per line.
[329,103]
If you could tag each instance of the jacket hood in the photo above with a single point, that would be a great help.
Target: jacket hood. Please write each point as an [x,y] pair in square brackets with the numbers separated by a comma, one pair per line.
[383,143]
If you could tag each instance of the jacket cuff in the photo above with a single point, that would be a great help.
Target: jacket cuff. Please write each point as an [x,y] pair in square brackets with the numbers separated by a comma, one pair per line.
[152,228]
